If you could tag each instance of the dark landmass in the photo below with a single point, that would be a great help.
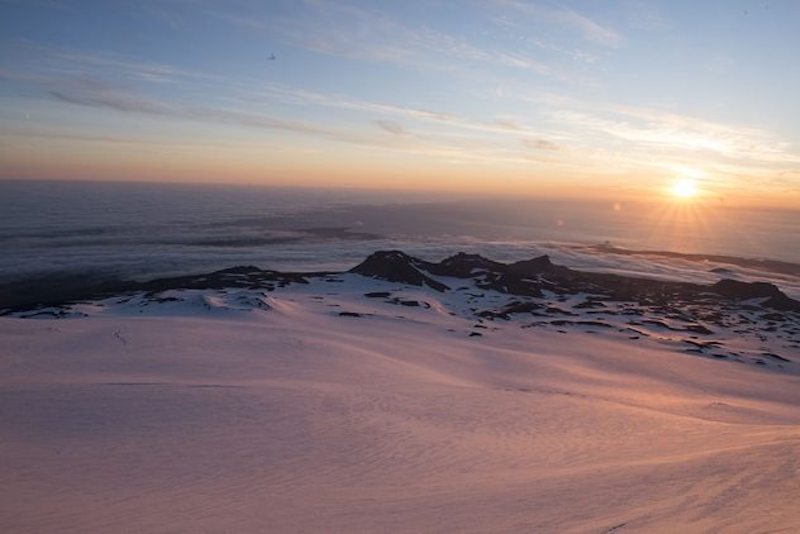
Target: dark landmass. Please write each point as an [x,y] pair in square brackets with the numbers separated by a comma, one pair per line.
[531,277]
[54,290]
[69,289]
[528,278]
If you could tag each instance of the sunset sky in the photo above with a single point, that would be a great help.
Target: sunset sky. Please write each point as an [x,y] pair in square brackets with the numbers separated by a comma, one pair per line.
[527,97]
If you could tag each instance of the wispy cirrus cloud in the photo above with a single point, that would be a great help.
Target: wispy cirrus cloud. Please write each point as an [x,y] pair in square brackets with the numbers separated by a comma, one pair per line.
[541,144]
[150,71]
[392,127]
[281,93]
[102,95]
[568,18]
[37,58]
[644,16]
[350,31]
[94,93]
[300,95]
[98,94]
[667,131]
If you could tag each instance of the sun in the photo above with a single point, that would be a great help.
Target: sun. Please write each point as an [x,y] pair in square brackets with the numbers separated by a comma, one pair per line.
[684,188]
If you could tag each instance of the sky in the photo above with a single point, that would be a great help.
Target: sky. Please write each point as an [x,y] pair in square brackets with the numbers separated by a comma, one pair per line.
[617,99]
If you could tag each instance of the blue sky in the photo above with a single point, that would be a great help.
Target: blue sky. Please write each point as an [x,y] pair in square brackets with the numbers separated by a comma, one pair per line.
[594,97]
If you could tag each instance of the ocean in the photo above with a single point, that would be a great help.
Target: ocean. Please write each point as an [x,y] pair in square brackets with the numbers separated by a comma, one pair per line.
[141,231]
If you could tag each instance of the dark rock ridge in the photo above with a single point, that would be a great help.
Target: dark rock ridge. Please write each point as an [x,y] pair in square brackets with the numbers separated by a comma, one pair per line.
[70,289]
[528,278]
[531,277]
[744,290]
[396,266]
[771,295]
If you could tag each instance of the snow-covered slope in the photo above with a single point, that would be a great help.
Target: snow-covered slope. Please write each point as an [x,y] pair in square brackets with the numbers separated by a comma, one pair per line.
[350,404]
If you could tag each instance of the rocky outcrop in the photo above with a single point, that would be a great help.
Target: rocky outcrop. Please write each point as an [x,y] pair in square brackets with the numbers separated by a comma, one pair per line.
[531,277]
[396,266]
[463,265]
[536,266]
[771,295]
[744,290]
[528,278]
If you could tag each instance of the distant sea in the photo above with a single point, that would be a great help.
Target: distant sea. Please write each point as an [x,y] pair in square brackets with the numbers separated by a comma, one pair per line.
[140,231]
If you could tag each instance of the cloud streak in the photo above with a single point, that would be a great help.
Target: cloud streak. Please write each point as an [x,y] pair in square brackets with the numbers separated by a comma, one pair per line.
[275,92]
[391,127]
[565,17]
[106,96]
[102,95]
[63,60]
[681,133]
[345,30]
[93,93]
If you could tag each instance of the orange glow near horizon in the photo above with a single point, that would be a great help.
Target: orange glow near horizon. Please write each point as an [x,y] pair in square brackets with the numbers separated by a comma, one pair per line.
[383,97]
[350,168]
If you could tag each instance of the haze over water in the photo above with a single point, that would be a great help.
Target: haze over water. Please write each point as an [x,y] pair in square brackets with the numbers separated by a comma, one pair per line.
[145,230]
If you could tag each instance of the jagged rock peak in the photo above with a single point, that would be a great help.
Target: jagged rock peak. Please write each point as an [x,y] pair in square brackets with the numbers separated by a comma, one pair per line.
[540,264]
[396,266]
[389,256]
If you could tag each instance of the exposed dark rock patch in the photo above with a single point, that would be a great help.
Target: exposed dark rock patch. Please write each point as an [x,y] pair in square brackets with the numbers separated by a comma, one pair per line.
[396,266]
[775,356]
[744,290]
[782,302]
[68,289]
[378,295]
[594,323]
[521,307]
[700,345]
[698,328]
[535,266]
[463,265]
[511,284]
[591,303]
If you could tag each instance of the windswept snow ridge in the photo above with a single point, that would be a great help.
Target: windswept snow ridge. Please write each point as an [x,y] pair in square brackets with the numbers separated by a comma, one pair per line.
[465,395]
